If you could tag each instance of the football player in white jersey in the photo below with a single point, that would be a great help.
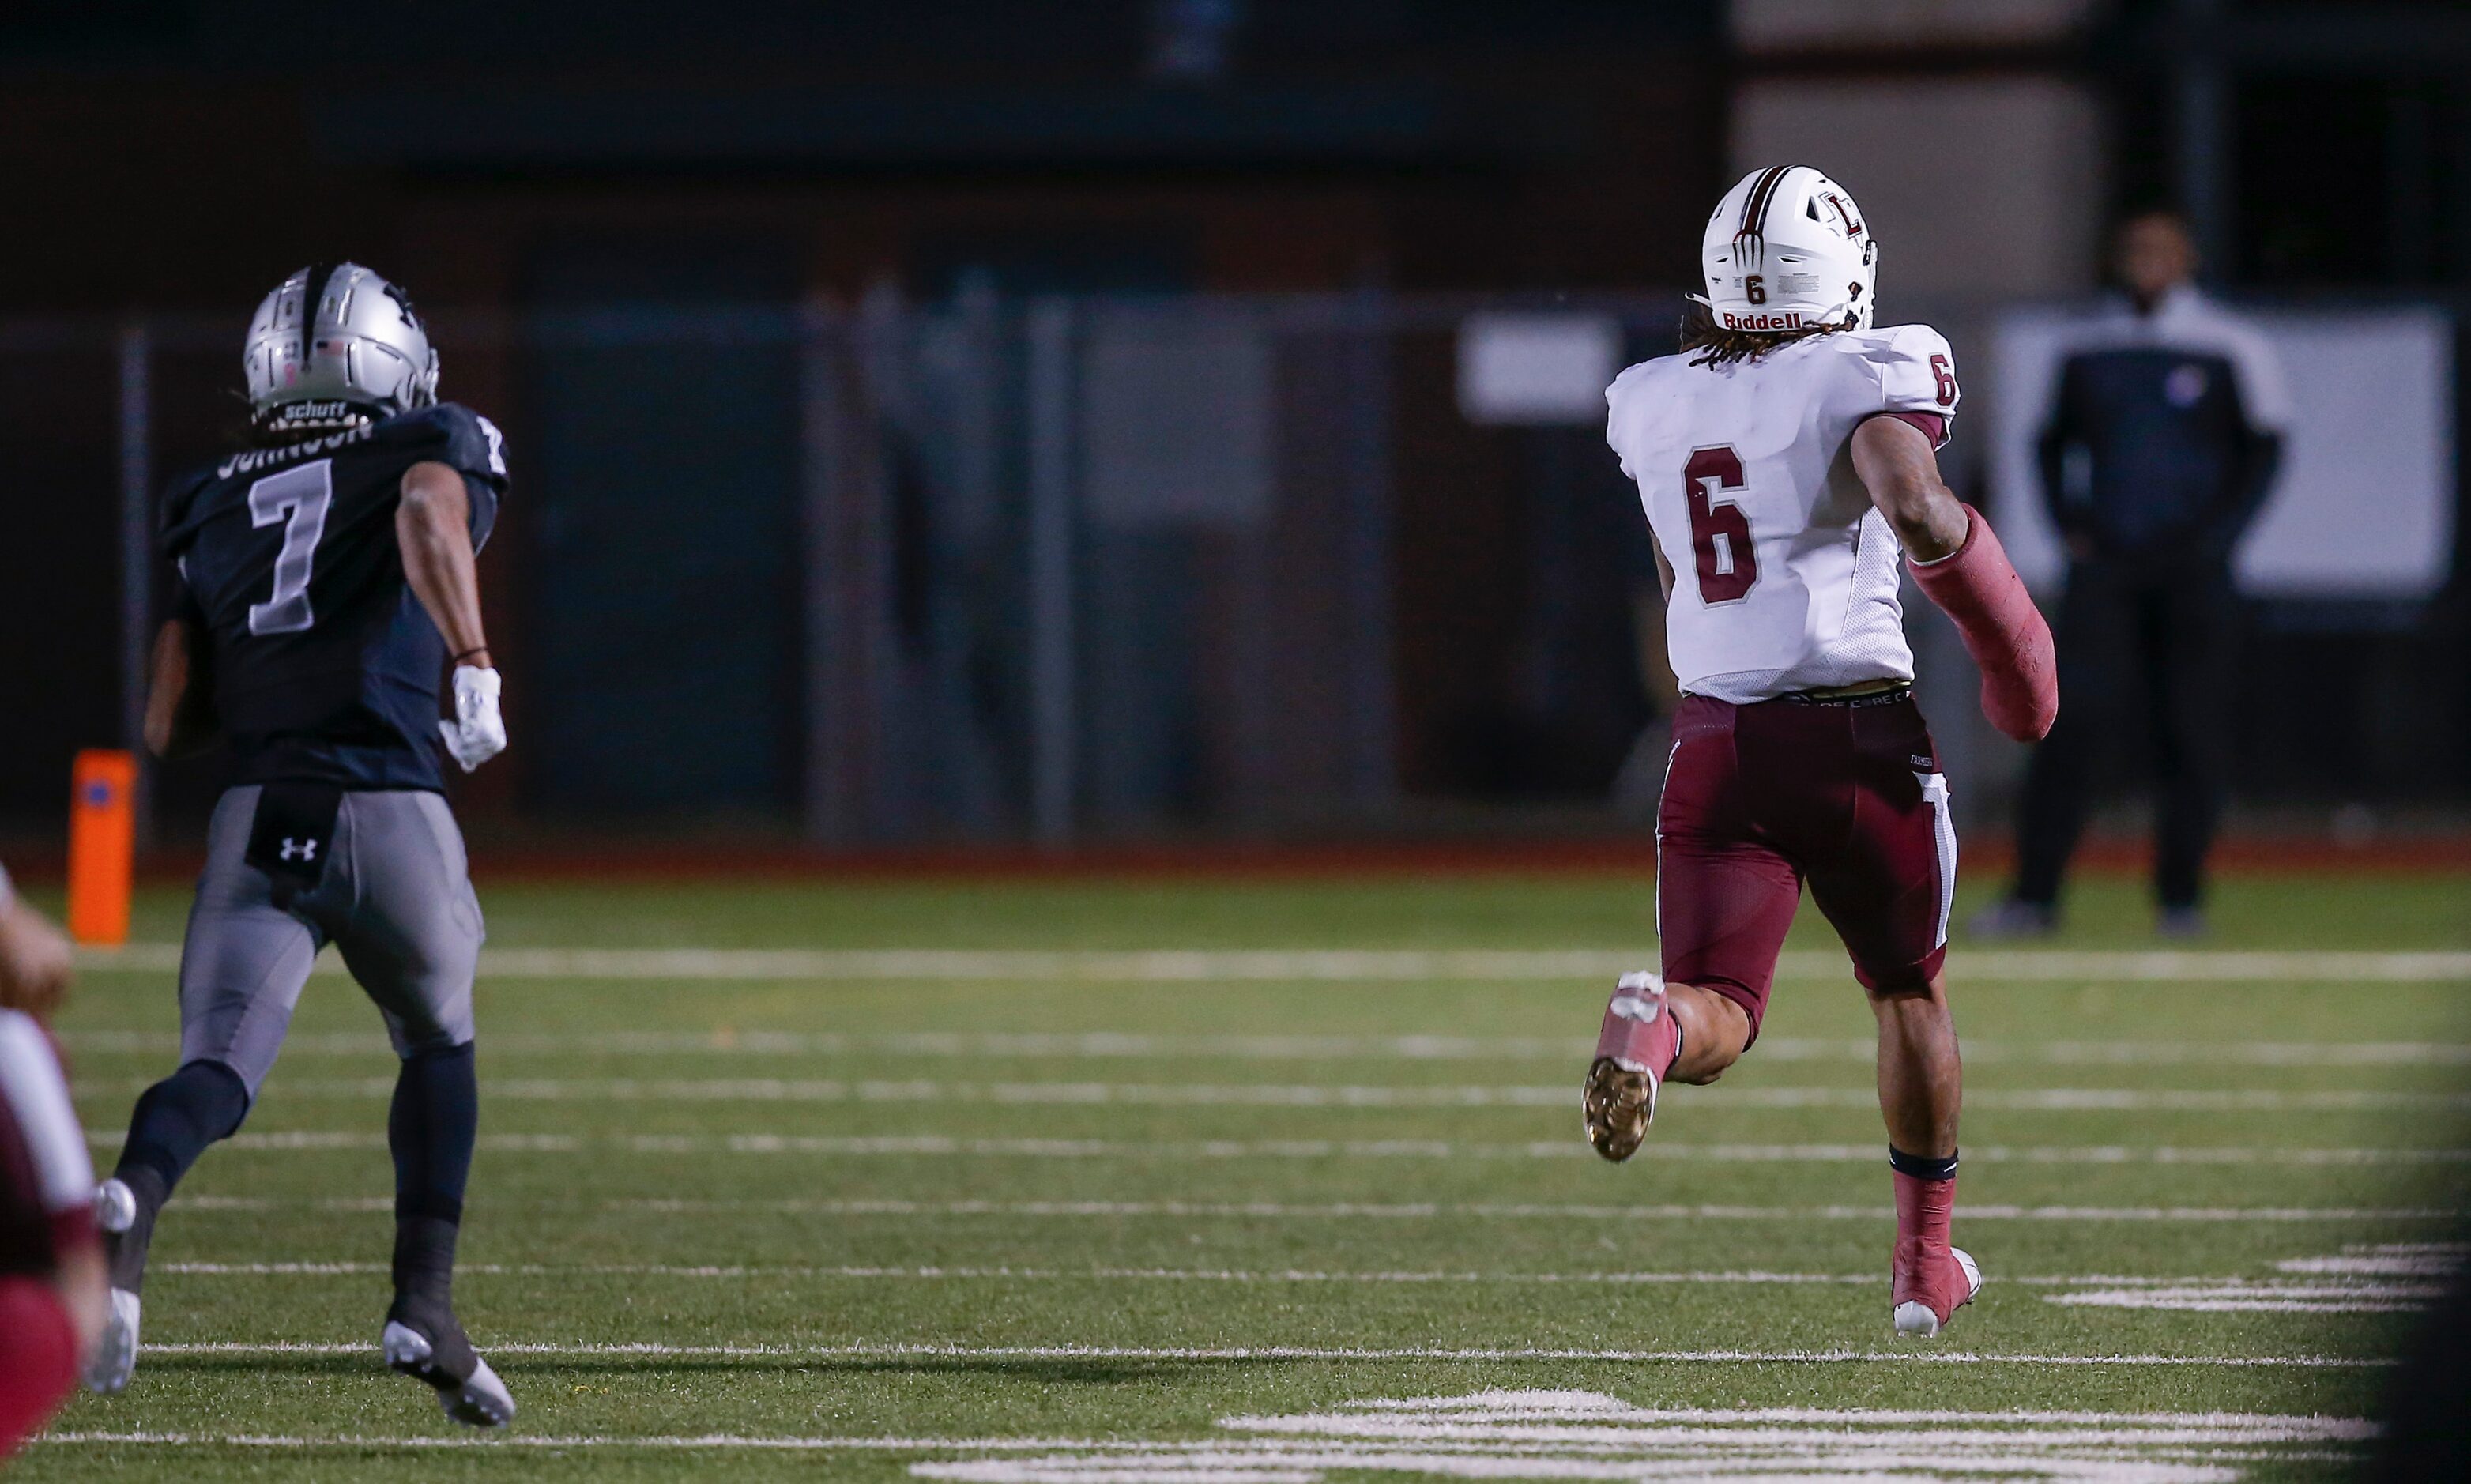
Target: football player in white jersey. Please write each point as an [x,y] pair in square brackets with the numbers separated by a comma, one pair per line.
[1786,460]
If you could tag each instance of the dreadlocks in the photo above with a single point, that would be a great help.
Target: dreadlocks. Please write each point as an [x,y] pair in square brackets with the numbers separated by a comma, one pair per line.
[1720,347]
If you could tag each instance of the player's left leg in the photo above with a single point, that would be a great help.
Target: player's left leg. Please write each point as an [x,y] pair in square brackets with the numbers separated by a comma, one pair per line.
[248,952]
[414,942]
[1655,1032]
[1887,888]
[1725,898]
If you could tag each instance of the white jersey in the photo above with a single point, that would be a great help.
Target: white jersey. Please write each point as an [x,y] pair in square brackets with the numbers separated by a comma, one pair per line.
[1784,574]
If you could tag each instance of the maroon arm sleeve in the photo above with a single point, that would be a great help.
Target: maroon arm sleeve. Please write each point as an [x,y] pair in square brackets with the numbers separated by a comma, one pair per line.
[2004,632]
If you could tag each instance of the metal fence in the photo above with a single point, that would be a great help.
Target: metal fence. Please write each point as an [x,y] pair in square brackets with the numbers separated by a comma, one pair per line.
[1111,562]
[987,569]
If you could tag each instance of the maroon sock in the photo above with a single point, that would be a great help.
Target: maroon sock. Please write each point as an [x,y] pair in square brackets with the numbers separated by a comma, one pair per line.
[1924,1209]
[1925,1206]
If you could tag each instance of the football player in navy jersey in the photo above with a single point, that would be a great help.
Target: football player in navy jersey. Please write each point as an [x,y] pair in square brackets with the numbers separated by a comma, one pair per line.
[326,584]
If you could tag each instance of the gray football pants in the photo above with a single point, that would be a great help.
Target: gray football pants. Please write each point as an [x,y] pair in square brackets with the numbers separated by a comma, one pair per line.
[395,899]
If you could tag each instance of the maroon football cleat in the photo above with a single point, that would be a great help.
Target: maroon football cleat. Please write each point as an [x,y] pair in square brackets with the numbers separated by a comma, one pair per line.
[1634,1050]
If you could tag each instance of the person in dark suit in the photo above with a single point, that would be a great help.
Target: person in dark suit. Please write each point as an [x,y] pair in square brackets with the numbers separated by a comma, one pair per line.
[2161,443]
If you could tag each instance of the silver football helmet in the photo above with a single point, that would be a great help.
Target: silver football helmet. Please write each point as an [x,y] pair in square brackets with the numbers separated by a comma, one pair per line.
[333,346]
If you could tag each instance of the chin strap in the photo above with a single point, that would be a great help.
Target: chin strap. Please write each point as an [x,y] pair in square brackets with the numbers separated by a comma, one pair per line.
[1977,587]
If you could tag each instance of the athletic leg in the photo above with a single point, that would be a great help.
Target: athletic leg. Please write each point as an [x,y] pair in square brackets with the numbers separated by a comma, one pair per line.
[243,966]
[1921,1090]
[414,942]
[1921,1078]
[1724,902]
[1887,888]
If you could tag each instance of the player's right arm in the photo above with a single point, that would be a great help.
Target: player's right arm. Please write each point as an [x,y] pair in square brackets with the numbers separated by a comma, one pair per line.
[1899,468]
[1957,560]
[432,526]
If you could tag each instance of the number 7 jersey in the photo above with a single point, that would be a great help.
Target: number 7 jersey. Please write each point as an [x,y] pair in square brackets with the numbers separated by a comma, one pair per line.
[325,666]
[1785,576]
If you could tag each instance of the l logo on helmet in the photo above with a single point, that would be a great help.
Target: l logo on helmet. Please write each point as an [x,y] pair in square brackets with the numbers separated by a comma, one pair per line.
[1850,224]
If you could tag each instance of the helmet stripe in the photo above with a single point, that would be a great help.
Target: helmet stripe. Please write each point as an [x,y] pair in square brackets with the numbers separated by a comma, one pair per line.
[1754,207]
[1751,200]
[312,290]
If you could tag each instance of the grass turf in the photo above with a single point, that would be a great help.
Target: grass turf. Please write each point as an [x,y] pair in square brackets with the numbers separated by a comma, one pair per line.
[857,1230]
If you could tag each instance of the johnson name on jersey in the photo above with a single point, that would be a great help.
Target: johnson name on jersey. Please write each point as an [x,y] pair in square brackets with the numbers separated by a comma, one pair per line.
[1784,574]
[326,668]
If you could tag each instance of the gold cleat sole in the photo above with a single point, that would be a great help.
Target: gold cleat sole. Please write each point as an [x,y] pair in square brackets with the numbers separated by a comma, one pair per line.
[1619,1104]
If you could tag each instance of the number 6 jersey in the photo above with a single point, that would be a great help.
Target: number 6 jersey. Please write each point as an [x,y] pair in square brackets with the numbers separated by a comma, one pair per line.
[1784,574]
[325,666]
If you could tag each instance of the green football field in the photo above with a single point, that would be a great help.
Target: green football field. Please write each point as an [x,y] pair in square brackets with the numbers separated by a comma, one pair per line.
[1197,1180]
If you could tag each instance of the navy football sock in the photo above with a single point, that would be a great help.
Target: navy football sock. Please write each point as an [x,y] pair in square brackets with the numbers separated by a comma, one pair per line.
[171,1126]
[432,1127]
[180,1116]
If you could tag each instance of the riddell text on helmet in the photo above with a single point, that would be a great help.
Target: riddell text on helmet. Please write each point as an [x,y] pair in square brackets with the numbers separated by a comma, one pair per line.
[1789,320]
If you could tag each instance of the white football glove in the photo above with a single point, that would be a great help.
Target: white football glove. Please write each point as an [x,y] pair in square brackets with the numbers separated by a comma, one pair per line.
[478,733]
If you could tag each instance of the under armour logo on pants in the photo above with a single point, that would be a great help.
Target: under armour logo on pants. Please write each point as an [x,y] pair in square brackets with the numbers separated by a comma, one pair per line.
[298,850]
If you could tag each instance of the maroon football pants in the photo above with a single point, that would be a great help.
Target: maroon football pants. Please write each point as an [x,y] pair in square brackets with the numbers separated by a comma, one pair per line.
[1759,799]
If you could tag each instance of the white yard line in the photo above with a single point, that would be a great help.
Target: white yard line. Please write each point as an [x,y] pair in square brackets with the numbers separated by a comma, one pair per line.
[1279,1210]
[1342,1354]
[1386,1418]
[2376,1266]
[1344,1096]
[1573,1434]
[1010,1274]
[2363,1296]
[1168,966]
[2101,1286]
[1059,1046]
[937,1145]
[717,1441]
[1506,1435]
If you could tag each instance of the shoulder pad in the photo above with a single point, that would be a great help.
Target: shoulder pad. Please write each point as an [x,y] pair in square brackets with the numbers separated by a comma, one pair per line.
[453,434]
[1631,379]
[1915,369]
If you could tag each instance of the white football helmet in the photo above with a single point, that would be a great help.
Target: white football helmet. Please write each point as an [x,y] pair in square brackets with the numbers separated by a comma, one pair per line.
[1787,249]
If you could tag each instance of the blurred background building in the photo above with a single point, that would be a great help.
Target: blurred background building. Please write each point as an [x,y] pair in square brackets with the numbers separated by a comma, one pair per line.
[972,422]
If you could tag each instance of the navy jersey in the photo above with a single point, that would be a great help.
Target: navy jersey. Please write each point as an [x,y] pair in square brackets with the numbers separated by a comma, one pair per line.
[325,666]
[2172,418]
